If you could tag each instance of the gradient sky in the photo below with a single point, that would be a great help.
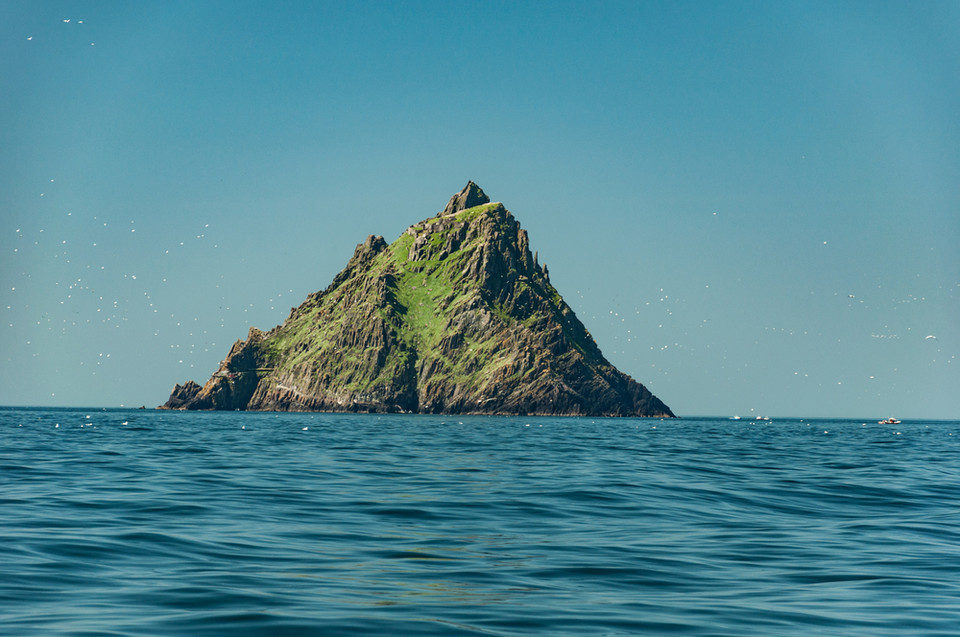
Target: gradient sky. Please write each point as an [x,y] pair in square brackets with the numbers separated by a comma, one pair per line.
[754,207]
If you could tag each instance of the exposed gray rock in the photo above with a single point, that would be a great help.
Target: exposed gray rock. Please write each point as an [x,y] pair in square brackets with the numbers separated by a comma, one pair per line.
[471,195]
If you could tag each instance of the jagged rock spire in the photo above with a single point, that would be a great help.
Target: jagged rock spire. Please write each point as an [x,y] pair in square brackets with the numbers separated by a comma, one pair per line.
[471,195]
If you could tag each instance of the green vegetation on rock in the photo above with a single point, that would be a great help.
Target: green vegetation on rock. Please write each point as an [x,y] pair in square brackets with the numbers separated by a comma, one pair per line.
[454,316]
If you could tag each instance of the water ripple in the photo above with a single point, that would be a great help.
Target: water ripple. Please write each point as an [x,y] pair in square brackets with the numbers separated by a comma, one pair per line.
[247,524]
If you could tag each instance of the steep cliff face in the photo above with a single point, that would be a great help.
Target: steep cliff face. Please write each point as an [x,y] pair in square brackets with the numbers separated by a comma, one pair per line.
[455,316]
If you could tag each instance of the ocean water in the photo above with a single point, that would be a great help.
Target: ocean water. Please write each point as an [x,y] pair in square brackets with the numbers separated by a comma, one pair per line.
[126,522]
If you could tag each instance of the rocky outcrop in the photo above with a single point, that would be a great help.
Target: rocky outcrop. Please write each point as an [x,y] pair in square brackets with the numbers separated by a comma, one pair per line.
[455,316]
[471,195]
[183,395]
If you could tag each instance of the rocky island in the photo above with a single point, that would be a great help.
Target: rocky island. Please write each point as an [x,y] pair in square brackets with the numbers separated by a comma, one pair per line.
[455,316]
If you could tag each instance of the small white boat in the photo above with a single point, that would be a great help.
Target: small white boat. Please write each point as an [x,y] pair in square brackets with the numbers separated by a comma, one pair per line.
[889,421]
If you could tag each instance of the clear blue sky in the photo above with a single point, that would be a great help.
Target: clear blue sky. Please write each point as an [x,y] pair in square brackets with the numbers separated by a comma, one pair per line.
[753,206]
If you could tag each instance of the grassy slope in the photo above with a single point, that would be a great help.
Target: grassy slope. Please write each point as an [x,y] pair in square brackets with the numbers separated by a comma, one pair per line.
[431,292]
[416,302]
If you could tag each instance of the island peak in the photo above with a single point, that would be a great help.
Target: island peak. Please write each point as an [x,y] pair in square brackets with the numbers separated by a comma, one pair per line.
[471,195]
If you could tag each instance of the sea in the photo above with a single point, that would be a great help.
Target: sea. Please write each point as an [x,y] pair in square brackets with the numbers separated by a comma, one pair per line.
[140,522]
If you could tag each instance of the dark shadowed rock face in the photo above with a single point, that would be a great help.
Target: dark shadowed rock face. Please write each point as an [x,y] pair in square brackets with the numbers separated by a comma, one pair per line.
[183,395]
[455,316]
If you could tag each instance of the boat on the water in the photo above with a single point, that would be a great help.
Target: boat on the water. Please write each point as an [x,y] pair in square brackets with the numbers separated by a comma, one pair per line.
[889,421]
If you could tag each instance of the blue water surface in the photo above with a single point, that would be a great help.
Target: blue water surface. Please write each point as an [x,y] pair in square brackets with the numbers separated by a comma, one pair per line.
[133,522]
